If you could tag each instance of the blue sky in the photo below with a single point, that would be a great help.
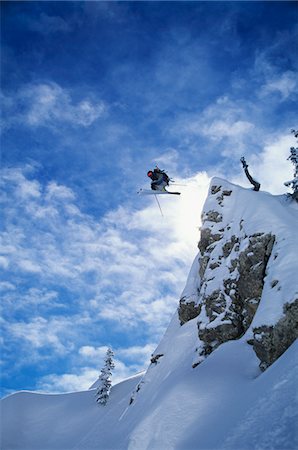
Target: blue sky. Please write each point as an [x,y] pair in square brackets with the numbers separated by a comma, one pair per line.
[93,95]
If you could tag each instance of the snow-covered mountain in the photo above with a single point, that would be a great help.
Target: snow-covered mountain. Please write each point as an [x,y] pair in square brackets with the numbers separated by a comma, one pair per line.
[224,375]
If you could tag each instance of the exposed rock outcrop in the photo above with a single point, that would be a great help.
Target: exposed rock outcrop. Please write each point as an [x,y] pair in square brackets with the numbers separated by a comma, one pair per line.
[188,311]
[269,343]
[233,265]
[231,308]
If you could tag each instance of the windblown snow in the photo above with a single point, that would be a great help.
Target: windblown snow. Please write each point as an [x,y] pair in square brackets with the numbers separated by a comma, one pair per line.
[225,402]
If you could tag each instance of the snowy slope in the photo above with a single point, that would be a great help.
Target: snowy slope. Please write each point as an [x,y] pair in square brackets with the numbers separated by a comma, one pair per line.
[44,421]
[226,402]
[209,406]
[223,403]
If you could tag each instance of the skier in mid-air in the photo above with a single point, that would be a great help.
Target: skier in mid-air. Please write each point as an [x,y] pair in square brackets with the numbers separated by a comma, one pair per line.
[159,179]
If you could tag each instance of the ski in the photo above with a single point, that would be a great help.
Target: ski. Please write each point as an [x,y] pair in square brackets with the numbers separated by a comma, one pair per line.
[151,192]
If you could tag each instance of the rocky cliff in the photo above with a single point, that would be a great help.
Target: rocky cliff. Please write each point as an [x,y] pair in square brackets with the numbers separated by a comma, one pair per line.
[243,280]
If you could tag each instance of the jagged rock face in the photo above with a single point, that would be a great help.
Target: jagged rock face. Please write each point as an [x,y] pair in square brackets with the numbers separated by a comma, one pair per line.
[271,342]
[252,267]
[188,311]
[232,268]
[207,239]
[237,301]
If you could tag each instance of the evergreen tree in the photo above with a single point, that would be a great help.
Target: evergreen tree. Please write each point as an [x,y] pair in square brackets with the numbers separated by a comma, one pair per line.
[105,383]
[294,159]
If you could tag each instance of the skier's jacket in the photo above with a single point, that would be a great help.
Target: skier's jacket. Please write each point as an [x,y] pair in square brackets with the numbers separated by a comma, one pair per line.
[159,177]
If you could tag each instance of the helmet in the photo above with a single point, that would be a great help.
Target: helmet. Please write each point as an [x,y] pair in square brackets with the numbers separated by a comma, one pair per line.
[150,173]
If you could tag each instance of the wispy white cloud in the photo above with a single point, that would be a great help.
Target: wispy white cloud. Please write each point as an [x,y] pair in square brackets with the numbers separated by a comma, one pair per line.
[284,84]
[32,297]
[218,129]
[169,159]
[88,351]
[84,378]
[270,73]
[6,285]
[129,355]
[225,127]
[40,338]
[4,263]
[68,382]
[140,352]
[128,362]
[29,266]
[49,104]
[48,24]
[40,333]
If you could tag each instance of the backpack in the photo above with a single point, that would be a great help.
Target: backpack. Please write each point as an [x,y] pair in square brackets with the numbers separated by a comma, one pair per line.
[165,176]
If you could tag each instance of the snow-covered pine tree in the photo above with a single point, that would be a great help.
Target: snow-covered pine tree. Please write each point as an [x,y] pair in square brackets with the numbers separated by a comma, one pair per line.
[105,383]
[294,159]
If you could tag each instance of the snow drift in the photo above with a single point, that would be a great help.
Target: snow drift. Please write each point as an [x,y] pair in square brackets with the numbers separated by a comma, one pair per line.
[224,375]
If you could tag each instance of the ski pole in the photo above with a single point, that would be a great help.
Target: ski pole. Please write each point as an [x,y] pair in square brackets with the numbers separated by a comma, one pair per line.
[158,205]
